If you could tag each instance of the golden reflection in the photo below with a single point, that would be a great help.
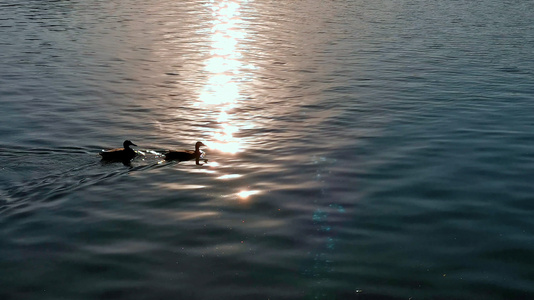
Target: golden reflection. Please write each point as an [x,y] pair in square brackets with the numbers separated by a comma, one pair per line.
[228,147]
[177,186]
[244,195]
[191,215]
[201,170]
[223,67]
[213,164]
[229,176]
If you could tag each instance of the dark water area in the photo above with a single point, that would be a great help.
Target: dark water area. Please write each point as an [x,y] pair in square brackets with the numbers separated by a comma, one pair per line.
[357,149]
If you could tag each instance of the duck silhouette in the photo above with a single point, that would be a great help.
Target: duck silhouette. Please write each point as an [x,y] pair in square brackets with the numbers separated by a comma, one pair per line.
[186,154]
[120,154]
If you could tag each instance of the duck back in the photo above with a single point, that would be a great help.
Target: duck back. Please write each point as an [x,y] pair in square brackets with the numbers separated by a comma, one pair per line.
[180,155]
[118,154]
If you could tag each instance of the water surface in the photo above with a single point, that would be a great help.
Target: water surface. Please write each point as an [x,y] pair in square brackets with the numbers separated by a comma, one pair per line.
[357,149]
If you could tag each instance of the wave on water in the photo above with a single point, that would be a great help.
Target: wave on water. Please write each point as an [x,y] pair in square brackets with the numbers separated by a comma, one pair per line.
[51,184]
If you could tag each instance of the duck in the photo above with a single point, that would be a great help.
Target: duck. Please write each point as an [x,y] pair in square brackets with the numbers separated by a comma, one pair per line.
[186,154]
[120,154]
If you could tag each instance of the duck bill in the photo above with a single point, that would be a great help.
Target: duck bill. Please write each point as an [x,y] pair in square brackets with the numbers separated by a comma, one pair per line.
[134,144]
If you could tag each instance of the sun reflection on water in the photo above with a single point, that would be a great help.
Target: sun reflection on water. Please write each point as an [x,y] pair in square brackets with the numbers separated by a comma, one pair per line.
[244,195]
[229,176]
[223,66]
[222,92]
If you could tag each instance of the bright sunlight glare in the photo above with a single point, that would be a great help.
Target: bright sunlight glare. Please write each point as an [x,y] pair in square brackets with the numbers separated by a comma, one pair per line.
[222,89]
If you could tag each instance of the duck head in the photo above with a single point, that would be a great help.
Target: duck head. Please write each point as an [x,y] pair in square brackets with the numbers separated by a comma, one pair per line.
[128,143]
[199,144]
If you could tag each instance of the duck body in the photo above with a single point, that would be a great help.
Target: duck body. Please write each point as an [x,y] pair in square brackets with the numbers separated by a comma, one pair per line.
[181,155]
[120,154]
[185,154]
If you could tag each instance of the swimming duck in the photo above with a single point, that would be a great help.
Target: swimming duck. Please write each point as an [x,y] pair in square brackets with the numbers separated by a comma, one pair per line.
[185,154]
[120,154]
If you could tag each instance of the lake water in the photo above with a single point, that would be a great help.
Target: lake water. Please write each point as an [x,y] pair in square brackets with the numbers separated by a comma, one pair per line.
[357,149]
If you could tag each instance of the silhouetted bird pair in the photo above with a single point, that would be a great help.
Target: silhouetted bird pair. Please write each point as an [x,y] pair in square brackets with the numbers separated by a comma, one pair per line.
[126,154]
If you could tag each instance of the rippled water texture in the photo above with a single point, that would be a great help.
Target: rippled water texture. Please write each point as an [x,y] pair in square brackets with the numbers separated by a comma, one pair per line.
[357,149]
